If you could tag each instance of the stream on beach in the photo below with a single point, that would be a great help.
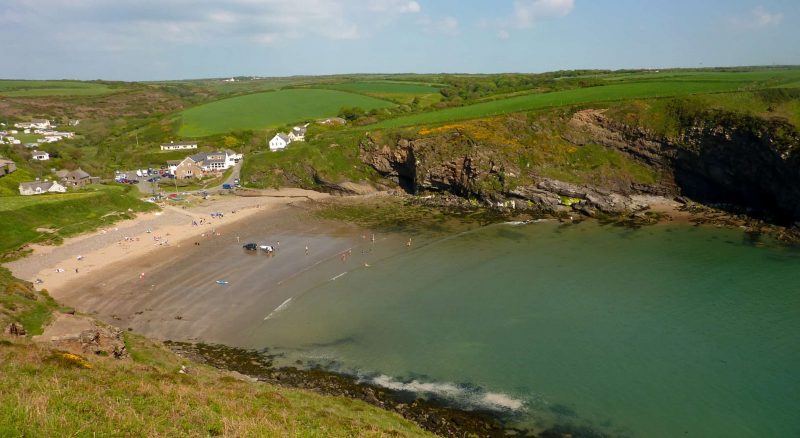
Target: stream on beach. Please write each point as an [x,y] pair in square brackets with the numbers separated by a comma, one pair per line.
[668,330]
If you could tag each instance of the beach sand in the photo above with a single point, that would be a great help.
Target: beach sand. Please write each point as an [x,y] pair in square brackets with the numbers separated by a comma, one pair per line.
[178,297]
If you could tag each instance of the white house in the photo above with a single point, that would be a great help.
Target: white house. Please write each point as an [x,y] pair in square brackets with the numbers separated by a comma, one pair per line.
[39,187]
[35,124]
[40,156]
[298,133]
[279,142]
[181,145]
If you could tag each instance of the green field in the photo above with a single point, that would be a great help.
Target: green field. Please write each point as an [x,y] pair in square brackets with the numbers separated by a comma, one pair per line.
[270,109]
[15,88]
[616,92]
[777,76]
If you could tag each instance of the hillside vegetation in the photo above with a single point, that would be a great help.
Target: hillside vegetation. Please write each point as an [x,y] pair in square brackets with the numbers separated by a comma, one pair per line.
[50,218]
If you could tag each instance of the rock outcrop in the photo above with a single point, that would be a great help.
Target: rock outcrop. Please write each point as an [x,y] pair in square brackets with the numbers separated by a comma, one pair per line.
[83,335]
[739,162]
[736,162]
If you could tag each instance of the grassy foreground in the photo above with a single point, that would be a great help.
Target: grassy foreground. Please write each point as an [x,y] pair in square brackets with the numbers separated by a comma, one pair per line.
[48,393]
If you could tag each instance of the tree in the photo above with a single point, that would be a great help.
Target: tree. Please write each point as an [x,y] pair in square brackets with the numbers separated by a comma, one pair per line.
[351,113]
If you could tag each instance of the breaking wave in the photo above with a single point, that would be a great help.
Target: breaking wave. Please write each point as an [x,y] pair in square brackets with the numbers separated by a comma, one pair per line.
[278,309]
[469,397]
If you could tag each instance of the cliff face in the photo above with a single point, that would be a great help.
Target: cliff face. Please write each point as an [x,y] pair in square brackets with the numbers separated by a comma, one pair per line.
[737,162]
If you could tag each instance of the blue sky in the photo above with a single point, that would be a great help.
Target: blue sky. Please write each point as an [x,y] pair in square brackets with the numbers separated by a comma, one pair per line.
[176,39]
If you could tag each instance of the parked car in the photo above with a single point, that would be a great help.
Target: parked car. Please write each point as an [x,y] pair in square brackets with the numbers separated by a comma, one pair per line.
[227,186]
[250,246]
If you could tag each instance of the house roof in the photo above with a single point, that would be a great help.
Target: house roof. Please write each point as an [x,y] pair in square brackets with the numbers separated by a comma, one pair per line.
[198,157]
[282,136]
[38,152]
[78,174]
[62,173]
[209,162]
[299,130]
[4,162]
[42,185]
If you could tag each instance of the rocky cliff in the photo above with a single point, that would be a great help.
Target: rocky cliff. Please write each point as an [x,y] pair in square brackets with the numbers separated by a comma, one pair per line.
[741,163]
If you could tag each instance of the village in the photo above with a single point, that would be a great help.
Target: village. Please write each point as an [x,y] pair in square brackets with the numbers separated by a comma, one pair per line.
[196,166]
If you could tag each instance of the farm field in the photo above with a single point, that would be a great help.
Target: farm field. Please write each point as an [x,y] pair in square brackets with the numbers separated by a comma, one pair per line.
[15,88]
[270,109]
[615,92]
[778,76]
[396,91]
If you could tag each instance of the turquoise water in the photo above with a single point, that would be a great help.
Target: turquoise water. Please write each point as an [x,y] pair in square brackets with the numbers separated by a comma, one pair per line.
[660,332]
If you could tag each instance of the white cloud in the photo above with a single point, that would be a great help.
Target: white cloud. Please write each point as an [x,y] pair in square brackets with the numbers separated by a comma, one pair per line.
[528,12]
[759,18]
[396,6]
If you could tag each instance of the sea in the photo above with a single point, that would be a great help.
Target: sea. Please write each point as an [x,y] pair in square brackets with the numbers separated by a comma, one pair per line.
[671,330]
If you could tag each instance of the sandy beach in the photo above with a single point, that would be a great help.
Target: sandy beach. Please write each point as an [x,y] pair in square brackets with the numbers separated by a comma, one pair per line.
[157,274]
[147,234]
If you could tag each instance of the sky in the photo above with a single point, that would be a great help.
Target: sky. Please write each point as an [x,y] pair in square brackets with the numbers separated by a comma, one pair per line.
[139,40]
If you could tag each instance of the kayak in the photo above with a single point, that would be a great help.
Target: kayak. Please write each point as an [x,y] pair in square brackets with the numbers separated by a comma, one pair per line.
[222,282]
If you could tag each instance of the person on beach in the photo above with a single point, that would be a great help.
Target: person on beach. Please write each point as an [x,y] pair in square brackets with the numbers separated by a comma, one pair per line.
[306,249]
[76,270]
[373,237]
[237,239]
[141,276]
[408,244]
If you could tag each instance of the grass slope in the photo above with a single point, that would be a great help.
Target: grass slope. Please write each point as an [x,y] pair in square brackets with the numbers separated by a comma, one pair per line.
[63,214]
[270,109]
[48,393]
[17,88]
